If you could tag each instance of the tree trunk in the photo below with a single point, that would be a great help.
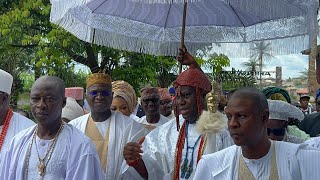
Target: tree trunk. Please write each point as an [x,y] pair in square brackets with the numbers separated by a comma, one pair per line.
[318,67]
[260,70]
[312,79]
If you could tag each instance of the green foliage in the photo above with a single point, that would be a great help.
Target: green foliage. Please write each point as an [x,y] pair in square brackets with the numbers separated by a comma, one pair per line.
[212,62]
[251,65]
[48,49]
[298,83]
[141,70]
[27,80]
[234,79]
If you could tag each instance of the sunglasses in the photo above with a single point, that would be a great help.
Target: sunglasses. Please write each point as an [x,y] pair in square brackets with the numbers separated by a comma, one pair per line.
[153,100]
[276,131]
[102,93]
[165,103]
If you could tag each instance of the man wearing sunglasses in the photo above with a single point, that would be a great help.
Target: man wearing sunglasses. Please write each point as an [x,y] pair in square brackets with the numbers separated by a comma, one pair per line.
[166,103]
[280,113]
[109,130]
[150,101]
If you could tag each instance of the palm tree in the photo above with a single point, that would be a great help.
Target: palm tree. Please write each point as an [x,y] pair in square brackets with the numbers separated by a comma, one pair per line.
[251,65]
[304,74]
[261,52]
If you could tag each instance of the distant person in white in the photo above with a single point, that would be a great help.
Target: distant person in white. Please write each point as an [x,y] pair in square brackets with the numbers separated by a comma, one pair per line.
[51,149]
[10,122]
[166,104]
[150,101]
[255,156]
[280,113]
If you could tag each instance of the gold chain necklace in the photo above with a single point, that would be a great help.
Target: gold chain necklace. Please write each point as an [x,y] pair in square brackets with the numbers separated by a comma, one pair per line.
[42,164]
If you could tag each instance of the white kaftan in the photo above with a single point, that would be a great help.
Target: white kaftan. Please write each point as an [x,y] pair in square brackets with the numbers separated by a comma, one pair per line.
[122,130]
[314,142]
[74,157]
[294,162]
[171,116]
[17,124]
[159,149]
[162,120]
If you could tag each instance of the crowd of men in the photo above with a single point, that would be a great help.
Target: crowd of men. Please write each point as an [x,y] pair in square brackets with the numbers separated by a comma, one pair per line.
[189,132]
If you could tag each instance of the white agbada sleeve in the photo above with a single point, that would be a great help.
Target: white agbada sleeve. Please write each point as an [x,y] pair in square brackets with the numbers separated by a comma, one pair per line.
[17,124]
[314,142]
[202,170]
[309,161]
[159,150]
[294,162]
[87,167]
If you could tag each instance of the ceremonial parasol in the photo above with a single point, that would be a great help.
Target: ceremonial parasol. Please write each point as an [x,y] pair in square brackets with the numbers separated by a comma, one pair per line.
[157,28]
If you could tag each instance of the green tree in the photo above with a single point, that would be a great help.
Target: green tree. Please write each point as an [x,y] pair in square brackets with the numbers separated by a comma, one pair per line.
[12,61]
[261,52]
[25,25]
[234,79]
[140,70]
[251,65]
[304,74]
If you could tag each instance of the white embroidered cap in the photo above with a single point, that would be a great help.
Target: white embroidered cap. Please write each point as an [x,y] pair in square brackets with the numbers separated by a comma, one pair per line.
[283,111]
[72,109]
[6,81]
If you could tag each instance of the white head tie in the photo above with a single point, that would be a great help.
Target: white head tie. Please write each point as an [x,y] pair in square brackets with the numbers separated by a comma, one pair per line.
[283,111]
[5,82]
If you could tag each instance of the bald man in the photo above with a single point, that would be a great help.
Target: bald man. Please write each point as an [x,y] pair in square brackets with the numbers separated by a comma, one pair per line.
[51,149]
[255,156]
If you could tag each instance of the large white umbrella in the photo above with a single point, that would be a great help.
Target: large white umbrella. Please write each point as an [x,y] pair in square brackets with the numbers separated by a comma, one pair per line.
[156,28]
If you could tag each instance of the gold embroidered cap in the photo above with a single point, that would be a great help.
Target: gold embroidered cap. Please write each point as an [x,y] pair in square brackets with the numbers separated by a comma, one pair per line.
[98,78]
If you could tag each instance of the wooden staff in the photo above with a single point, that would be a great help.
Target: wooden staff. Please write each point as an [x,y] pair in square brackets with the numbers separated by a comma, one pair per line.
[184,17]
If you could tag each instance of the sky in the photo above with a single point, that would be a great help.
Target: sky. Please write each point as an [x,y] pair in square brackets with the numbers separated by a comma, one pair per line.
[291,65]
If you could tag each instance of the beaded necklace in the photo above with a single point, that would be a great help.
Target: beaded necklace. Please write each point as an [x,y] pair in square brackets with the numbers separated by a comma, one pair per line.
[186,170]
[5,127]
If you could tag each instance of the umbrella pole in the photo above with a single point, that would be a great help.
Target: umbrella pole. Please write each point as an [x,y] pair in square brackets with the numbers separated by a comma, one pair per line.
[184,17]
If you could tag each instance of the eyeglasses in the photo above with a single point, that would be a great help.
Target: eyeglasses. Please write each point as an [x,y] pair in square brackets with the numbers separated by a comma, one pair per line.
[153,100]
[276,131]
[102,93]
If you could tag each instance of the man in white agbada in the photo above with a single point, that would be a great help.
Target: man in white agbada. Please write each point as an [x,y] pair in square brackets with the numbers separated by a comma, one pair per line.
[51,149]
[10,122]
[108,130]
[280,113]
[166,103]
[171,152]
[255,156]
[150,102]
